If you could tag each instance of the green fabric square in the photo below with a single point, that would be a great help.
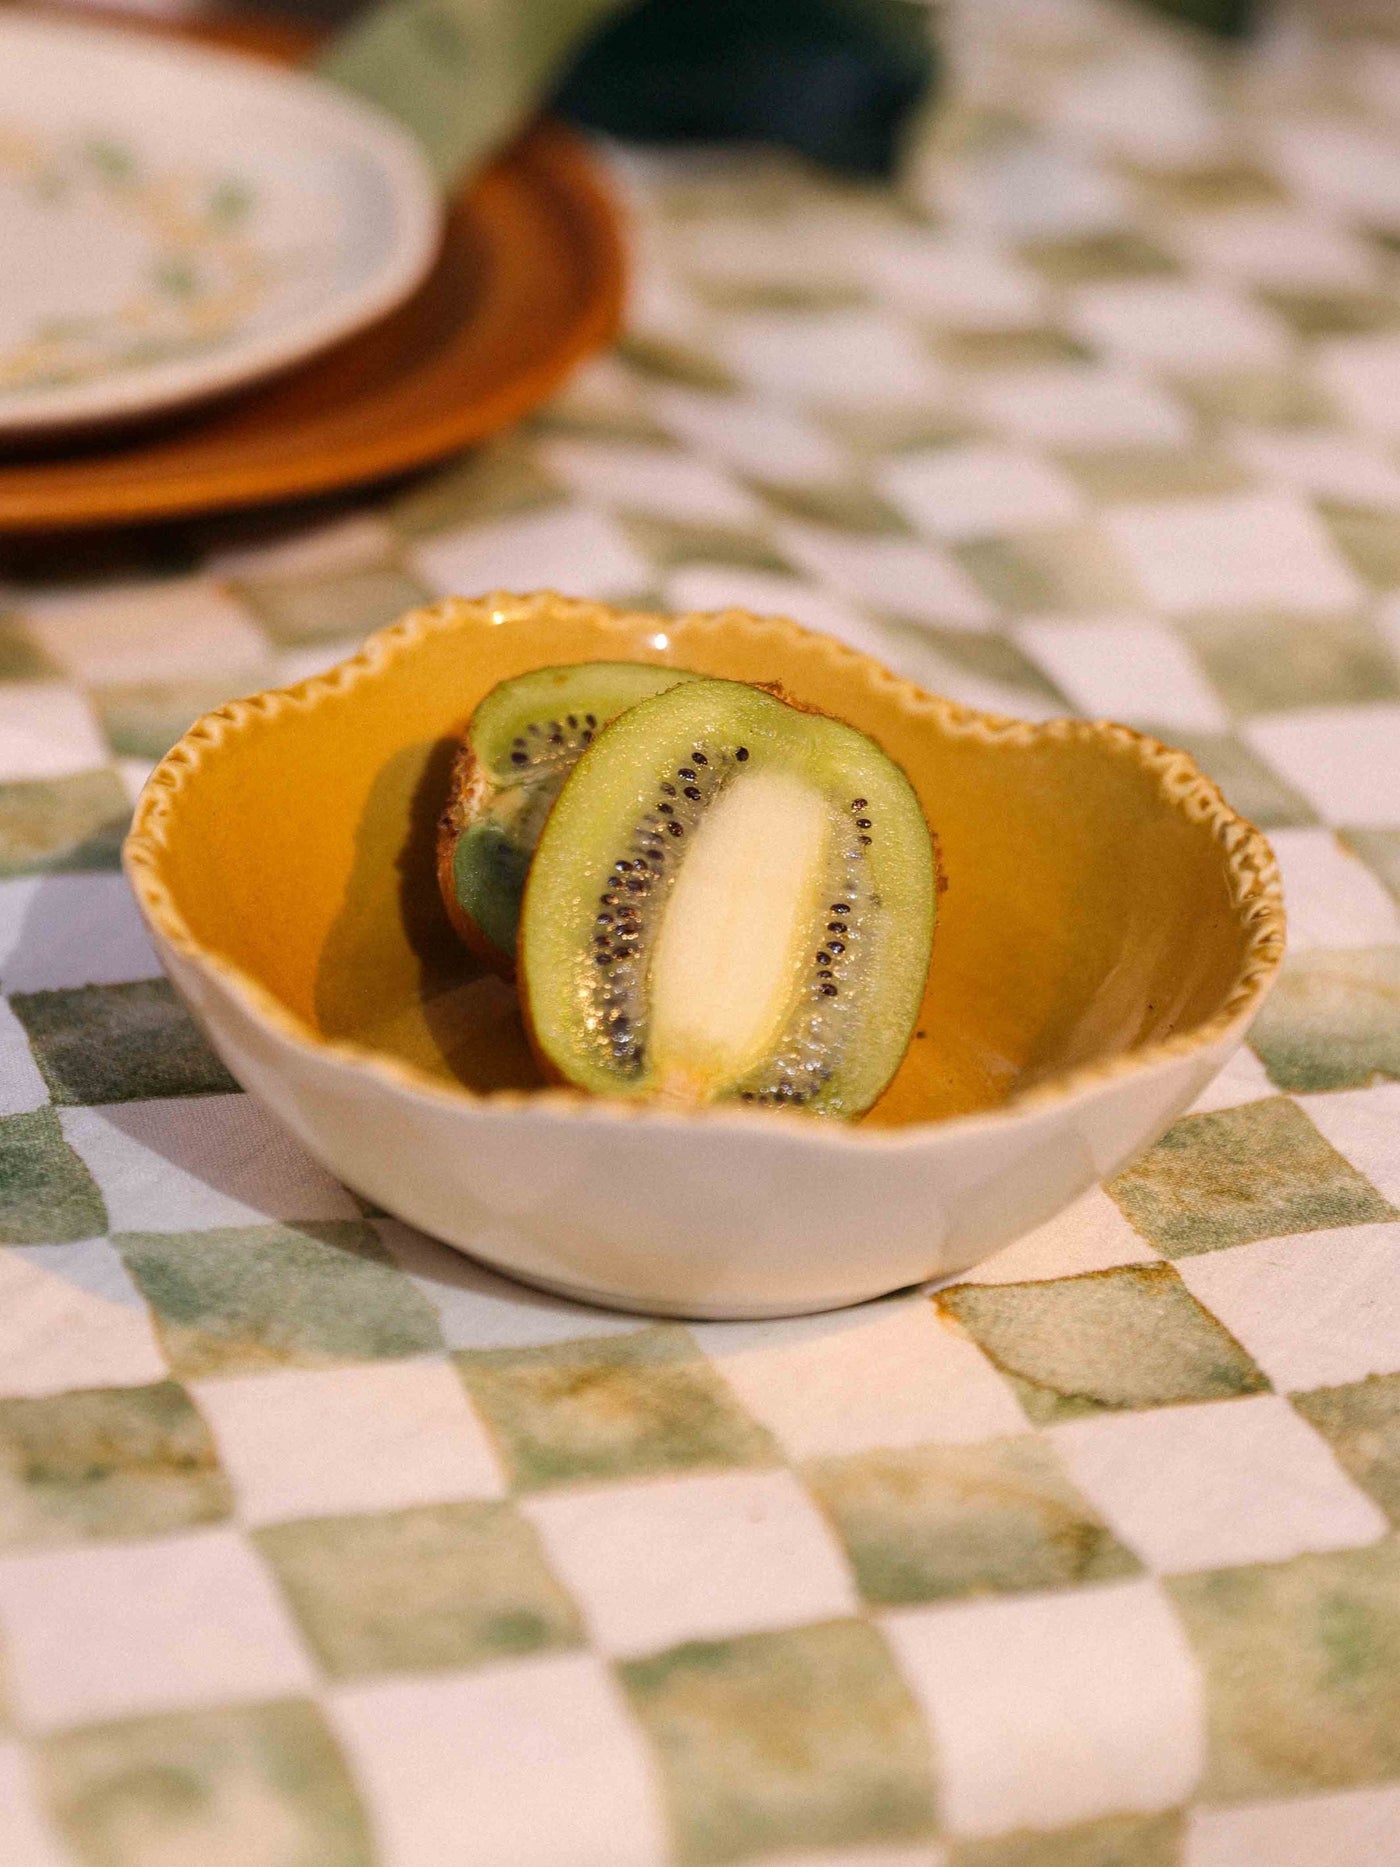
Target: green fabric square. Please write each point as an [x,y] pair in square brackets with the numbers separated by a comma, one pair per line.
[106,1462]
[1135,473]
[1116,1841]
[924,1523]
[1253,788]
[1269,398]
[439,1587]
[1371,540]
[21,657]
[1333,1020]
[846,505]
[1302,1670]
[1338,313]
[332,605]
[1380,851]
[1054,571]
[981,653]
[118,1043]
[495,481]
[47,1195]
[1261,1170]
[1262,663]
[144,719]
[262,1784]
[804,1739]
[1131,1337]
[1097,256]
[76,822]
[670,360]
[610,1407]
[1026,348]
[259,1296]
[669,543]
[1361,1423]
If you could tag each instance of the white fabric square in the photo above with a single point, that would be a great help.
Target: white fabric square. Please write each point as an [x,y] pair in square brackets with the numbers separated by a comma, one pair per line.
[661,481]
[833,358]
[1342,759]
[25,1832]
[1243,1079]
[478,1309]
[21,1086]
[1362,375]
[1151,105]
[977,490]
[326,1441]
[75,930]
[1346,1828]
[496,1766]
[1235,553]
[1024,188]
[1332,898]
[1172,324]
[1056,1708]
[196,1162]
[1079,405]
[1348,167]
[916,582]
[563,548]
[1325,463]
[1313,1310]
[1211,1485]
[110,1630]
[887,1374]
[1090,1235]
[756,437]
[699,1558]
[957,282]
[1126,670]
[1364,1127]
[70,1316]
[727,586]
[47,731]
[1279,247]
[187,628]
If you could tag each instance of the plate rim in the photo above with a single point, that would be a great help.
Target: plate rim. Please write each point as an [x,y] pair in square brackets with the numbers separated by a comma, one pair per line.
[418,222]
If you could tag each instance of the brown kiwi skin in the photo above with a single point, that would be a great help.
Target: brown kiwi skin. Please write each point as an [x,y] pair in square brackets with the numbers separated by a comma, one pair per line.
[466,787]
[554,1078]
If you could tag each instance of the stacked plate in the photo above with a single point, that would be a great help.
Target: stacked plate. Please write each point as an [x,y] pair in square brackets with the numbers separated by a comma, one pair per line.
[228,282]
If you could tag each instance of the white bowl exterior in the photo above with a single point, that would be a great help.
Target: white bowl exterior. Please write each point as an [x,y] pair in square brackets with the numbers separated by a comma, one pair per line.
[717,1218]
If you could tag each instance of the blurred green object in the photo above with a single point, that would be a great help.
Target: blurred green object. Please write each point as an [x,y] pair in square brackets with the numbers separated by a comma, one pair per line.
[1231,19]
[835,79]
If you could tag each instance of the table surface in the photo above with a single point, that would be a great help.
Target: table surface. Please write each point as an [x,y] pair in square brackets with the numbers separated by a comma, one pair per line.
[320,1546]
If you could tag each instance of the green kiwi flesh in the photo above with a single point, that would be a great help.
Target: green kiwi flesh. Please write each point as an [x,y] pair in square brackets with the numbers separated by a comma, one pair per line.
[519,746]
[732,899]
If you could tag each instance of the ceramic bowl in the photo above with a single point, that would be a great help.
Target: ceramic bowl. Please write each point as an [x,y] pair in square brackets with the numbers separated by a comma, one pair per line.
[1109,930]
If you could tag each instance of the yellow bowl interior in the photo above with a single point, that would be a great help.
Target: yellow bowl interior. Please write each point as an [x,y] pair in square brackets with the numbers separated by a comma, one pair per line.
[1087,913]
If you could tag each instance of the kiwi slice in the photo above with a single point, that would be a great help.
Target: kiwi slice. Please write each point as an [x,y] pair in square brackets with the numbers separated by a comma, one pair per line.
[732,899]
[519,746]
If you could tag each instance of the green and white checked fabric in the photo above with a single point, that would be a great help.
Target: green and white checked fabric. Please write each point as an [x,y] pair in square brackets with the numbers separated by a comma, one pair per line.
[321,1546]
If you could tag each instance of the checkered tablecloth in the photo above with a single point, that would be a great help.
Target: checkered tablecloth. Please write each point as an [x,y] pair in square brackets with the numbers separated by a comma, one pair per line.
[321,1546]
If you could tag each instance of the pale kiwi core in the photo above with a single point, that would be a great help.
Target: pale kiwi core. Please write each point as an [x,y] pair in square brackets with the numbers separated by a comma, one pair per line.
[729,956]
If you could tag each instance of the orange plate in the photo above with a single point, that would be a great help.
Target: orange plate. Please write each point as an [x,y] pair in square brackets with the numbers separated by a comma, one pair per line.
[529,281]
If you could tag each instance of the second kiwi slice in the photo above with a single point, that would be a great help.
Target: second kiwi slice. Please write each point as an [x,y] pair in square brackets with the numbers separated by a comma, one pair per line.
[518,748]
[732,899]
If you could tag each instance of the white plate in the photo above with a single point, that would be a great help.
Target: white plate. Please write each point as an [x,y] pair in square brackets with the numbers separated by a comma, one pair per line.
[176,221]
